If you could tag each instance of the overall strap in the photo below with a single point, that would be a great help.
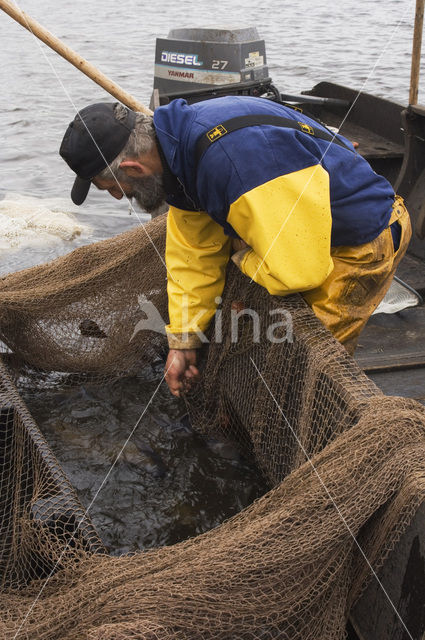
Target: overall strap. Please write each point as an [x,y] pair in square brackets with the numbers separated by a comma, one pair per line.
[205,140]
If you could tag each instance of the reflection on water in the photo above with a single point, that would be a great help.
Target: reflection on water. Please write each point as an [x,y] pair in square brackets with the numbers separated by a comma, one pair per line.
[168,483]
[36,230]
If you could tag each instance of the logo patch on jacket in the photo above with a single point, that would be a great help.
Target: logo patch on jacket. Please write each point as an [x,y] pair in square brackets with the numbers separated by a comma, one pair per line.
[215,133]
[306,128]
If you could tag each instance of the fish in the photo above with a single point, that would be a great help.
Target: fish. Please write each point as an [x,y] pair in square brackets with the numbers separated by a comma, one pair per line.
[90,329]
[145,459]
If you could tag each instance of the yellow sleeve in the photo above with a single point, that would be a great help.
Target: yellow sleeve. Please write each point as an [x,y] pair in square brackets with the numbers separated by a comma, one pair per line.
[197,252]
[287,223]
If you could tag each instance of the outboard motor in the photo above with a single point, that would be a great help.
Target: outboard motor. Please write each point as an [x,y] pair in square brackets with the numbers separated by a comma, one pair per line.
[199,63]
[207,62]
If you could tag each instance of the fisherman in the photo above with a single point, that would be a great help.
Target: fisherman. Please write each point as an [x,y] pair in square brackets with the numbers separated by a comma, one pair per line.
[296,210]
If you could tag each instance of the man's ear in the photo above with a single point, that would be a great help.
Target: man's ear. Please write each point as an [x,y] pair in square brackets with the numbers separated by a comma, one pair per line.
[132,168]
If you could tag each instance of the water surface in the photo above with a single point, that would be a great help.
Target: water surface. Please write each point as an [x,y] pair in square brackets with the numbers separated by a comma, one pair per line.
[146,478]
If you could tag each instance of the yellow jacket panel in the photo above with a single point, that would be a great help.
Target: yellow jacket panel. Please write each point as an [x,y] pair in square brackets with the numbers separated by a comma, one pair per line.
[287,224]
[196,254]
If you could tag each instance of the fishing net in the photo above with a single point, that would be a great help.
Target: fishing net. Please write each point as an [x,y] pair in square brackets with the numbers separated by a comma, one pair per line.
[345,464]
[41,517]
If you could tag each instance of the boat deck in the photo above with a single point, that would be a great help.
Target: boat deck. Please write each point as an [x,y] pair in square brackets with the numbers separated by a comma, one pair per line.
[391,349]
[371,144]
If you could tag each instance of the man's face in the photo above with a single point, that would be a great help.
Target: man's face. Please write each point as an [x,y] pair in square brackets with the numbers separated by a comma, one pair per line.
[148,191]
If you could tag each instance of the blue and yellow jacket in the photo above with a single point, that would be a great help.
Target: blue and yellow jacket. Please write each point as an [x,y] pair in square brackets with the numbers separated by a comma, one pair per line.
[288,195]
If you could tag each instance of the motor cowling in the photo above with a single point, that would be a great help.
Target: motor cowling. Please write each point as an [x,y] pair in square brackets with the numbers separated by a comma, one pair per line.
[191,59]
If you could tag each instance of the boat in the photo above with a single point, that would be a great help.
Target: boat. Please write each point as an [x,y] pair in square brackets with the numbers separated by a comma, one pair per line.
[392,138]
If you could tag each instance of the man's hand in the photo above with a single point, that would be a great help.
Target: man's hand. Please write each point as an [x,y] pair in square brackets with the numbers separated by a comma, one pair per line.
[180,370]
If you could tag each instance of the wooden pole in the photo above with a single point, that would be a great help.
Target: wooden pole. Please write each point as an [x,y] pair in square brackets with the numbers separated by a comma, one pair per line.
[416,52]
[69,54]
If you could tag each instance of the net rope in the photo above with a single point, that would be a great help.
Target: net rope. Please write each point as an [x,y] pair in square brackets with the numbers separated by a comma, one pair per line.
[344,463]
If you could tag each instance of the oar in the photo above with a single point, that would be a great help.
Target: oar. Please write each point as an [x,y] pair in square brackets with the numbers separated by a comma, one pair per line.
[69,54]
[416,52]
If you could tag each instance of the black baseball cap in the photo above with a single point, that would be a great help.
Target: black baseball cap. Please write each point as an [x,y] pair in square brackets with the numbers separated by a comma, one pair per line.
[92,141]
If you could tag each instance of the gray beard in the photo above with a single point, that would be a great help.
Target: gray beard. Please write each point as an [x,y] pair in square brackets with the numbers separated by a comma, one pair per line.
[148,192]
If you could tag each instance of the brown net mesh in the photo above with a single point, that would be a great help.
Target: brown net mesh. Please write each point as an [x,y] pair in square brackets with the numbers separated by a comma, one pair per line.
[78,313]
[41,518]
[345,463]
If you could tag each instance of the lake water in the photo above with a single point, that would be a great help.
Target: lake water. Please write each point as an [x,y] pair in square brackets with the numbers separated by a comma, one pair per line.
[167,483]
[174,483]
[358,43]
